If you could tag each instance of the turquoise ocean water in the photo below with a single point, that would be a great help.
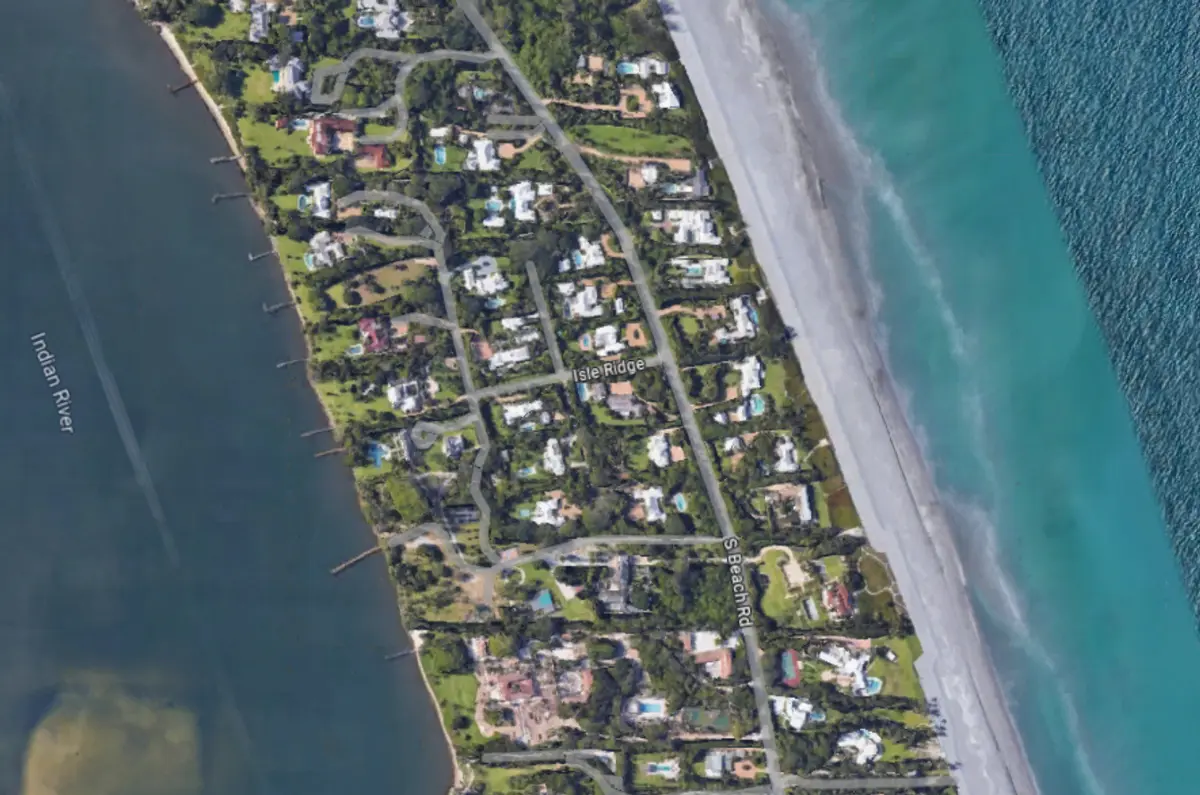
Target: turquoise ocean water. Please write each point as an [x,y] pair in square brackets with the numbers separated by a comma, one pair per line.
[983,306]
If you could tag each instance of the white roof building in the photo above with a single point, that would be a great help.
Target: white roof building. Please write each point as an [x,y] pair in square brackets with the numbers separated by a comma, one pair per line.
[649,173]
[658,447]
[646,66]
[588,255]
[694,227]
[864,746]
[804,504]
[407,396]
[668,98]
[606,341]
[545,189]
[237,6]
[849,665]
[523,196]
[581,303]
[382,17]
[515,412]
[484,277]
[289,77]
[320,199]
[439,133]
[390,213]
[651,498]
[745,324]
[509,357]
[752,371]
[703,272]
[552,458]
[732,444]
[792,711]
[324,250]
[785,456]
[547,512]
[452,446]
[260,21]
[482,156]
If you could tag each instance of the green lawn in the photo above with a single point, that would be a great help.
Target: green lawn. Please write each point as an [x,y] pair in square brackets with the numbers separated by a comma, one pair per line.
[631,141]
[570,609]
[274,145]
[455,157]
[292,253]
[332,343]
[690,325]
[373,128]
[642,779]
[874,573]
[257,88]
[499,779]
[899,678]
[776,602]
[233,27]
[835,567]
[822,505]
[286,201]
[345,406]
[536,158]
[775,384]
[455,695]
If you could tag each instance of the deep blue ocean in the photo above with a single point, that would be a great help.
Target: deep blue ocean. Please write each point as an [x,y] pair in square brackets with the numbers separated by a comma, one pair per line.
[1028,177]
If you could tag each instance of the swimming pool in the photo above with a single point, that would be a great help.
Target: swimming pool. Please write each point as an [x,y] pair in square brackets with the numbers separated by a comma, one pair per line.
[526,472]
[585,341]
[659,768]
[377,453]
[649,708]
[310,262]
[757,405]
[494,205]
[524,513]
[680,502]
[302,203]
[355,350]
[577,258]
[439,155]
[366,21]
[874,685]
[627,68]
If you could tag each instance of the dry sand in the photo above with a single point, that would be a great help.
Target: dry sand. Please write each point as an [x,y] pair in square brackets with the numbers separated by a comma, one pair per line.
[768,130]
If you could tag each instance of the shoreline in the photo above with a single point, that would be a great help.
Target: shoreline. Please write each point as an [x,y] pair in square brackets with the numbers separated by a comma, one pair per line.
[222,123]
[772,163]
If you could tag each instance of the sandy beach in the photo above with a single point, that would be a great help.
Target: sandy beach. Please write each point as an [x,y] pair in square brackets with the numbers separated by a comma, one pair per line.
[774,142]
[215,110]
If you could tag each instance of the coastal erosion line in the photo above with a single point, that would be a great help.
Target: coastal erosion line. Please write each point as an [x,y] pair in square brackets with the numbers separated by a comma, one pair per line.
[222,123]
[770,160]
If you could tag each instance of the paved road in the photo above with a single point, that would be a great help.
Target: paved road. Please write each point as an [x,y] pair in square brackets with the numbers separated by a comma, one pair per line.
[395,103]
[399,200]
[539,298]
[611,785]
[661,342]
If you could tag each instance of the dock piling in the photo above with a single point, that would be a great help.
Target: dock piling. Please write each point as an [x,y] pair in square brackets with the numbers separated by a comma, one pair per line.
[316,431]
[359,558]
[254,257]
[324,453]
[273,308]
[182,86]
[289,363]
[222,196]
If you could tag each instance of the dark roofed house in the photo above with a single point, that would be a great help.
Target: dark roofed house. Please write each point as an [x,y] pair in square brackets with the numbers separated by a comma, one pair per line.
[626,406]
[515,688]
[323,133]
[836,599]
[373,156]
[461,514]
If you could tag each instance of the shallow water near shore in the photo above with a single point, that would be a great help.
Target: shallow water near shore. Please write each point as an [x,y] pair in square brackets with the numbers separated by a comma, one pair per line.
[989,333]
[171,624]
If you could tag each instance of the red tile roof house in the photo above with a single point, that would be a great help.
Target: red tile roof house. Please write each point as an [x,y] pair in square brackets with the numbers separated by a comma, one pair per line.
[323,133]
[374,334]
[373,156]
[789,663]
[515,687]
[837,600]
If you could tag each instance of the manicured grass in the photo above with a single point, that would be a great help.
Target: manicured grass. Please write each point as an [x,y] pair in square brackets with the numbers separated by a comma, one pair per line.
[570,609]
[274,145]
[774,384]
[455,695]
[897,752]
[292,253]
[455,157]
[332,344]
[690,325]
[373,128]
[874,573]
[536,158]
[899,678]
[631,141]
[499,779]
[835,567]
[642,779]
[822,505]
[233,27]
[286,201]
[390,277]
[257,88]
[776,602]
[345,406]
[914,720]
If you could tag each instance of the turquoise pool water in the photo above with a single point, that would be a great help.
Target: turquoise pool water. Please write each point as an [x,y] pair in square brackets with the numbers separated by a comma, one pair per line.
[439,155]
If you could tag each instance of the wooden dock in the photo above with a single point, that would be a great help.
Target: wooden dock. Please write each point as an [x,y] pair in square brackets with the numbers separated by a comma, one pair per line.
[217,197]
[400,654]
[315,431]
[182,86]
[324,453]
[273,308]
[359,558]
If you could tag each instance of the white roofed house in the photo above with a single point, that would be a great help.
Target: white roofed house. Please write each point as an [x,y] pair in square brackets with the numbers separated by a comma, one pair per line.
[547,512]
[407,396]
[318,200]
[588,255]
[752,372]
[237,6]
[606,341]
[863,746]
[580,302]
[288,78]
[703,272]
[482,156]
[693,227]
[260,20]
[745,322]
[658,448]
[515,412]
[483,277]
[509,357]
[552,458]
[651,500]
[494,208]
[324,251]
[523,197]
[667,96]
[785,456]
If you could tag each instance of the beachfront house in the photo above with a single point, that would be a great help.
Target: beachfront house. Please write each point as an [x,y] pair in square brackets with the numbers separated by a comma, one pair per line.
[324,250]
[693,227]
[644,67]
[288,78]
[751,372]
[862,747]
[665,94]
[712,272]
[745,322]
